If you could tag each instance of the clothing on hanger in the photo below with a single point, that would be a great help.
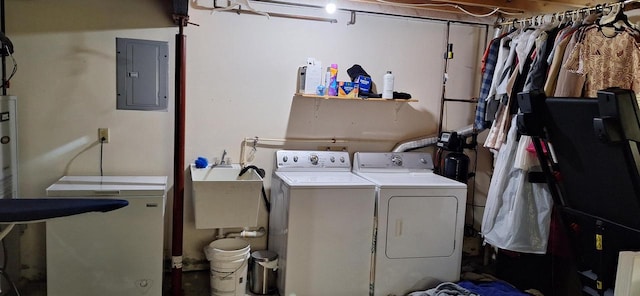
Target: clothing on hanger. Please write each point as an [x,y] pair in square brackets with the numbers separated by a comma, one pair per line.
[538,72]
[554,65]
[606,61]
[489,64]
[614,22]
[568,84]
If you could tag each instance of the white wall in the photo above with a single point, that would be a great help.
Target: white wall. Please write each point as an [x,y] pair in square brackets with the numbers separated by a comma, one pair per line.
[241,75]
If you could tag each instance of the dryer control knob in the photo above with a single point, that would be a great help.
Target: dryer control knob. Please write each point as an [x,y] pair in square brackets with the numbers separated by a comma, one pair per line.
[314,159]
[332,159]
[422,160]
[295,158]
[285,158]
[396,160]
[342,159]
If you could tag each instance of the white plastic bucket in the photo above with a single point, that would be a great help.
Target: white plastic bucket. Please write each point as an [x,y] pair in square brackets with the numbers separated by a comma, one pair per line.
[229,259]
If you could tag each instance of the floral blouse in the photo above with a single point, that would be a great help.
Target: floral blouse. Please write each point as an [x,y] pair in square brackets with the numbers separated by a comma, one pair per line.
[606,61]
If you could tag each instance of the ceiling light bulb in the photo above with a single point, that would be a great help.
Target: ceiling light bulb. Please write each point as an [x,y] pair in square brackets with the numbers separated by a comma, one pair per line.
[331,7]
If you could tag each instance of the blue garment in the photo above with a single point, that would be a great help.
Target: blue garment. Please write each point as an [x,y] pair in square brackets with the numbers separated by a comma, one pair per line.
[445,289]
[487,77]
[496,288]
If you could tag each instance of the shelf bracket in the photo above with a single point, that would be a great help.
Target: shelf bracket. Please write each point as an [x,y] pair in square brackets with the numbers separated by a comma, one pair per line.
[316,108]
[397,107]
[353,18]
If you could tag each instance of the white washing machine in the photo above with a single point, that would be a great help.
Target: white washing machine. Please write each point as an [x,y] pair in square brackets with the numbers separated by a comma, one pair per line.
[106,254]
[321,224]
[419,218]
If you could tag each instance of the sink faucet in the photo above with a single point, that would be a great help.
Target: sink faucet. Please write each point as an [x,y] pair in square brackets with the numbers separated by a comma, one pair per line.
[224,153]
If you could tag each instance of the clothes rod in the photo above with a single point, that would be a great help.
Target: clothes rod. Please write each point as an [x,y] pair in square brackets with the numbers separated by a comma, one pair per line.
[473,100]
[599,7]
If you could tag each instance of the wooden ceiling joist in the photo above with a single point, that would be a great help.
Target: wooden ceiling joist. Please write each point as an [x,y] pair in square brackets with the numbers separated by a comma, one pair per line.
[527,7]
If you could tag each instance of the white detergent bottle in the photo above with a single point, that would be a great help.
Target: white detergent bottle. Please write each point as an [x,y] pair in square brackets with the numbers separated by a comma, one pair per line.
[387,85]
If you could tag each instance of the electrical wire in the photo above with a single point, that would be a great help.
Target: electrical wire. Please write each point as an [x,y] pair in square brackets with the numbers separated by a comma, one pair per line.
[15,68]
[15,65]
[510,13]
[101,149]
[456,6]
[478,15]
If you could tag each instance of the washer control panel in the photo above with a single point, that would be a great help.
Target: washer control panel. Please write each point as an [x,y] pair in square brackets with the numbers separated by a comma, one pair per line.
[302,159]
[391,160]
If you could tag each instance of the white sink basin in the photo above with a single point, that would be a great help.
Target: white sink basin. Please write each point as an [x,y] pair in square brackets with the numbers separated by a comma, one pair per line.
[222,199]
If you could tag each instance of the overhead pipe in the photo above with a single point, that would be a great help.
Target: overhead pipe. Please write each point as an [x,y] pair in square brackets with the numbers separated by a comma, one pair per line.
[178,158]
[275,14]
[285,15]
[295,4]
[254,142]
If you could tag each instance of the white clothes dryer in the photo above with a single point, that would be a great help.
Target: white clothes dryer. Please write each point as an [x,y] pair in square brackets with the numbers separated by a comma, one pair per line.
[419,218]
[321,224]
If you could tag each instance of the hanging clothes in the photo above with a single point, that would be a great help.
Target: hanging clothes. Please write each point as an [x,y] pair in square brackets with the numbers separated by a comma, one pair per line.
[505,55]
[517,214]
[537,75]
[568,84]
[606,61]
[501,84]
[564,61]
[555,62]
[497,134]
[488,67]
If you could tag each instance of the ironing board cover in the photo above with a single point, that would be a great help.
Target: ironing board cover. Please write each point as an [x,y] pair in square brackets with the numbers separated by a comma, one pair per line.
[33,209]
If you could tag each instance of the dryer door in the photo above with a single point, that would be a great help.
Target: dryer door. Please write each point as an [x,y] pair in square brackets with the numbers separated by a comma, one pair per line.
[421,226]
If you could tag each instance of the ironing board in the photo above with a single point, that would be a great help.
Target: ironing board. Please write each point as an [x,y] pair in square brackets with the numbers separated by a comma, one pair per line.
[14,211]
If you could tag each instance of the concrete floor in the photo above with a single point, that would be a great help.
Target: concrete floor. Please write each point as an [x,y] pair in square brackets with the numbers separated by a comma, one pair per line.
[197,283]
[194,283]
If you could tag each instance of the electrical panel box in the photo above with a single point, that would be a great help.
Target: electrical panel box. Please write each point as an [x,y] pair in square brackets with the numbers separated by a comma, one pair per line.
[142,74]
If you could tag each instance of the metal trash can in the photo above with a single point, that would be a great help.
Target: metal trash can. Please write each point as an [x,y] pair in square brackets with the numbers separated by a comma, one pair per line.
[262,277]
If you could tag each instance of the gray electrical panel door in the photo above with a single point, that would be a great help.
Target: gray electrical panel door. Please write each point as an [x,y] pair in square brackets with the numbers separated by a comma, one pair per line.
[142,74]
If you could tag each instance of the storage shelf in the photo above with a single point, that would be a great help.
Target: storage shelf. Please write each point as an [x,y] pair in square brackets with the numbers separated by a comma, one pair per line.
[356,99]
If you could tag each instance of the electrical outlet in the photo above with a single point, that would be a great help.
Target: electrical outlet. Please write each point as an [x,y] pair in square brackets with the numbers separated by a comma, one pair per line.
[103,135]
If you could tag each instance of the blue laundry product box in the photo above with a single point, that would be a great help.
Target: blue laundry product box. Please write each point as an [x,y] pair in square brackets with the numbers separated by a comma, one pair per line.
[364,85]
[347,89]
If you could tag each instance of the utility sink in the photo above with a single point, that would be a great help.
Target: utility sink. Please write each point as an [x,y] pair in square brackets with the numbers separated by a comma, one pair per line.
[222,199]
